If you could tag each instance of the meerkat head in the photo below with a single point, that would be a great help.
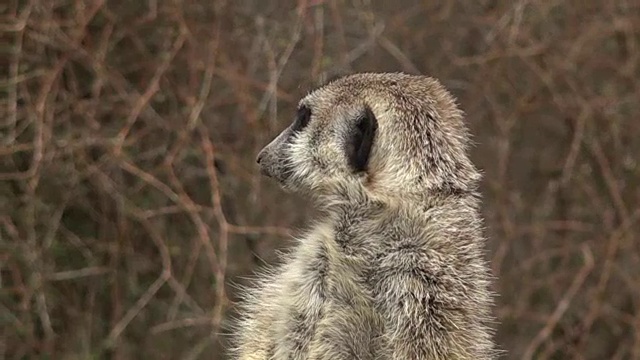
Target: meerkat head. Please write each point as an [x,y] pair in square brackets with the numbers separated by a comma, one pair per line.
[382,135]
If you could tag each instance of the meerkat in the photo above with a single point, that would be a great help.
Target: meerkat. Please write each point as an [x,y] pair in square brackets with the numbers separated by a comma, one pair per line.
[394,268]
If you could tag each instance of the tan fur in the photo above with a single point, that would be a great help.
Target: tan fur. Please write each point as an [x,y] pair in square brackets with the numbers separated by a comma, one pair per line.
[394,268]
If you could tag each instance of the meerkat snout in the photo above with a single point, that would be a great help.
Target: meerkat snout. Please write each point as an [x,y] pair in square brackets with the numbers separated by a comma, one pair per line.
[274,159]
[263,170]
[259,157]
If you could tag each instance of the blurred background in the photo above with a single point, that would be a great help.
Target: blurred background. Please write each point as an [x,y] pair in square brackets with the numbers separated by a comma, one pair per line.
[131,206]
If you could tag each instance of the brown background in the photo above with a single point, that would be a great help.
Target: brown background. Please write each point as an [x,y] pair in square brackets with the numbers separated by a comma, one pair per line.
[130,204]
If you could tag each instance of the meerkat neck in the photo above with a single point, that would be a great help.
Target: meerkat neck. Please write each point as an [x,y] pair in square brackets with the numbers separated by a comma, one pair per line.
[419,205]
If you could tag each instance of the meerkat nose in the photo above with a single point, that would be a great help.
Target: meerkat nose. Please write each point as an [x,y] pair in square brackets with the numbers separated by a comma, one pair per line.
[260,156]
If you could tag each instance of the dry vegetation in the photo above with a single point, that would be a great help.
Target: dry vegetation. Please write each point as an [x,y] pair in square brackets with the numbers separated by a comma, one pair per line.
[129,199]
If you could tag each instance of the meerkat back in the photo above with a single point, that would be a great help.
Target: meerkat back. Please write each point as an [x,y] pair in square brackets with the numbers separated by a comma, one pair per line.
[394,267]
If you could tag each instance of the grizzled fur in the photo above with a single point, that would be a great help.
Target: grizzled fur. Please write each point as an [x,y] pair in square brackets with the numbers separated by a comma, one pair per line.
[394,268]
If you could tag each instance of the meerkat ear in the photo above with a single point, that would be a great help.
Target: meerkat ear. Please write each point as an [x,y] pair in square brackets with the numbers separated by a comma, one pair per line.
[361,140]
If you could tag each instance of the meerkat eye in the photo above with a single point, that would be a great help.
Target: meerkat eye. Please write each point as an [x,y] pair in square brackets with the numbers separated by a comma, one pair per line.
[302,118]
[359,147]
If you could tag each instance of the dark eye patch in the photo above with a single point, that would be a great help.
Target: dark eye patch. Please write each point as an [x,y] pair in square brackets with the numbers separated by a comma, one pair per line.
[361,142]
[302,118]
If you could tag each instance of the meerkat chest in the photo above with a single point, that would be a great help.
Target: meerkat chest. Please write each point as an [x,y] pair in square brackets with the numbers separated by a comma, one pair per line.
[329,310]
[350,324]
